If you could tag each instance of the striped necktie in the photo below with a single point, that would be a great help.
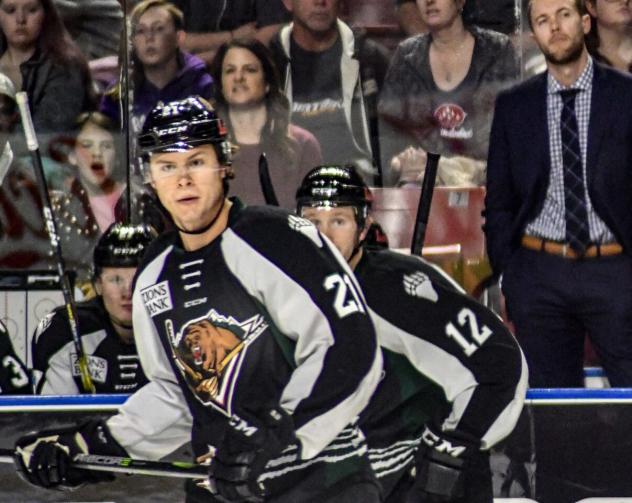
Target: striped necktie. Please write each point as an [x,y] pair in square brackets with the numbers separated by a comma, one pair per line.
[577,233]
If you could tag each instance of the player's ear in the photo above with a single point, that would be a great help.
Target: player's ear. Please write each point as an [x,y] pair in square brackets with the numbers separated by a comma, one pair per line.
[365,230]
[98,285]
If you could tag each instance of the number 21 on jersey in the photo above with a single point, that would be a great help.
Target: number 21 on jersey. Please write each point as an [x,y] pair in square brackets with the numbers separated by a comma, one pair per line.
[347,300]
[469,323]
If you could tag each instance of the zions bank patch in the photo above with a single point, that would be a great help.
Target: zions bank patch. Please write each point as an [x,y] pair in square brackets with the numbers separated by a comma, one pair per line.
[97,367]
[157,298]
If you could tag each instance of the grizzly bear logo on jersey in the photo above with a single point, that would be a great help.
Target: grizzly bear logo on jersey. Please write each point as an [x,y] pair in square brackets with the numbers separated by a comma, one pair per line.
[209,352]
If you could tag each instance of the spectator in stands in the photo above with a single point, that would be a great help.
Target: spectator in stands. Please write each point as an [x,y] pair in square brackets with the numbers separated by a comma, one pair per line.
[104,322]
[610,37]
[499,15]
[23,239]
[95,195]
[161,70]
[14,377]
[439,95]
[95,25]
[39,57]
[558,204]
[211,24]
[248,97]
[9,117]
[332,77]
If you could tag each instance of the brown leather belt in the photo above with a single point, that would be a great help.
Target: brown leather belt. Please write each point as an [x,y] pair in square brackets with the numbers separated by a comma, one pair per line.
[564,250]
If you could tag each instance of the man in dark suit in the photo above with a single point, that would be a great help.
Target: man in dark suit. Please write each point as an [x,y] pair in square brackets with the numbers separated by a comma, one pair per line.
[559,204]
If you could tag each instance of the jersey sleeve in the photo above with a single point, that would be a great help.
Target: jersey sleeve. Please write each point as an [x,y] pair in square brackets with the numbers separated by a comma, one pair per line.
[314,300]
[14,378]
[53,351]
[156,419]
[455,342]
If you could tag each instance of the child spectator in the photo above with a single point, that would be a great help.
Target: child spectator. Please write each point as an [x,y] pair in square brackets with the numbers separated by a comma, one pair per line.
[161,71]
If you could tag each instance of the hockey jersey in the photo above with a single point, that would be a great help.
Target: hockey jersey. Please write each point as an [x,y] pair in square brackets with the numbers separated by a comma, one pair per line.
[113,364]
[266,314]
[448,360]
[14,378]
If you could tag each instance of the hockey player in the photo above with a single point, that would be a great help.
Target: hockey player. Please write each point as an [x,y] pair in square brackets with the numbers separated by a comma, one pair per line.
[14,378]
[250,326]
[104,322]
[455,378]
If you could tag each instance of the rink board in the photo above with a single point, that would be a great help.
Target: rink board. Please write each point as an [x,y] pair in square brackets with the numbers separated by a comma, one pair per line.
[580,440]
[19,415]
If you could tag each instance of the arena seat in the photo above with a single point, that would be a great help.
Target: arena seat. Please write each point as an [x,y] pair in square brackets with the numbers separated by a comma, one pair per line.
[455,217]
[454,238]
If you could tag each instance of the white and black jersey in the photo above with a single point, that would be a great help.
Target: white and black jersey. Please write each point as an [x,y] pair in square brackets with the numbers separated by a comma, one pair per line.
[14,378]
[266,314]
[113,364]
[448,360]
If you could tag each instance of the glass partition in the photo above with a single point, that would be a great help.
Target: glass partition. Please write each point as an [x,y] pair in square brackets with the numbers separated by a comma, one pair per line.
[407,97]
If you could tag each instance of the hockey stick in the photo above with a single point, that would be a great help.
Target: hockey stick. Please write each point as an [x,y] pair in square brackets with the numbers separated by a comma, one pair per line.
[425,199]
[128,465]
[47,211]
[266,182]
[125,112]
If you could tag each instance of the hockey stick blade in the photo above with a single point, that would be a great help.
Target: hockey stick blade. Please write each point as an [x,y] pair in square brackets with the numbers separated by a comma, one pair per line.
[129,466]
[266,182]
[425,200]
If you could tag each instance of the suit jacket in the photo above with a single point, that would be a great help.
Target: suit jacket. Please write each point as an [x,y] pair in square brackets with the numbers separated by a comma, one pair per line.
[518,165]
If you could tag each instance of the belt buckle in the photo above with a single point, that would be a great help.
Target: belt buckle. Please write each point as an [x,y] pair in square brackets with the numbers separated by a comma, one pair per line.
[565,249]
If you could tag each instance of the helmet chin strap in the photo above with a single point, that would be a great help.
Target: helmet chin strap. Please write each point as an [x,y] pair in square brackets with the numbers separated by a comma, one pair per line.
[206,227]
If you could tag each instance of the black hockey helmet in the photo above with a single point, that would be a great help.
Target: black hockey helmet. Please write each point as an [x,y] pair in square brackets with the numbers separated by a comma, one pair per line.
[122,245]
[333,185]
[181,125]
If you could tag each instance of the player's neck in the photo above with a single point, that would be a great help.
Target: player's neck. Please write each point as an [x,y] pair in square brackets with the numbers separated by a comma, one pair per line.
[355,259]
[192,242]
[125,333]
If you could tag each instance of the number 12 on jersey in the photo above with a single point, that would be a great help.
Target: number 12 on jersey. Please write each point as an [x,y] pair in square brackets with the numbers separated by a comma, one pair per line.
[467,320]
[347,300]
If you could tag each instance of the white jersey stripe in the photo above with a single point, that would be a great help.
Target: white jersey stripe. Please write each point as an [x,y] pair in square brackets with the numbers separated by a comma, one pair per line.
[456,379]
[313,335]
[171,422]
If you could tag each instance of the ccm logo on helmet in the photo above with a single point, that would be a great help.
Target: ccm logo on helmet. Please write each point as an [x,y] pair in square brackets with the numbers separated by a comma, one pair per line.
[173,130]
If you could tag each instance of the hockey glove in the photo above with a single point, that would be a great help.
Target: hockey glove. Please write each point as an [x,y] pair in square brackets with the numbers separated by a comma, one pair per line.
[442,460]
[243,454]
[45,458]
